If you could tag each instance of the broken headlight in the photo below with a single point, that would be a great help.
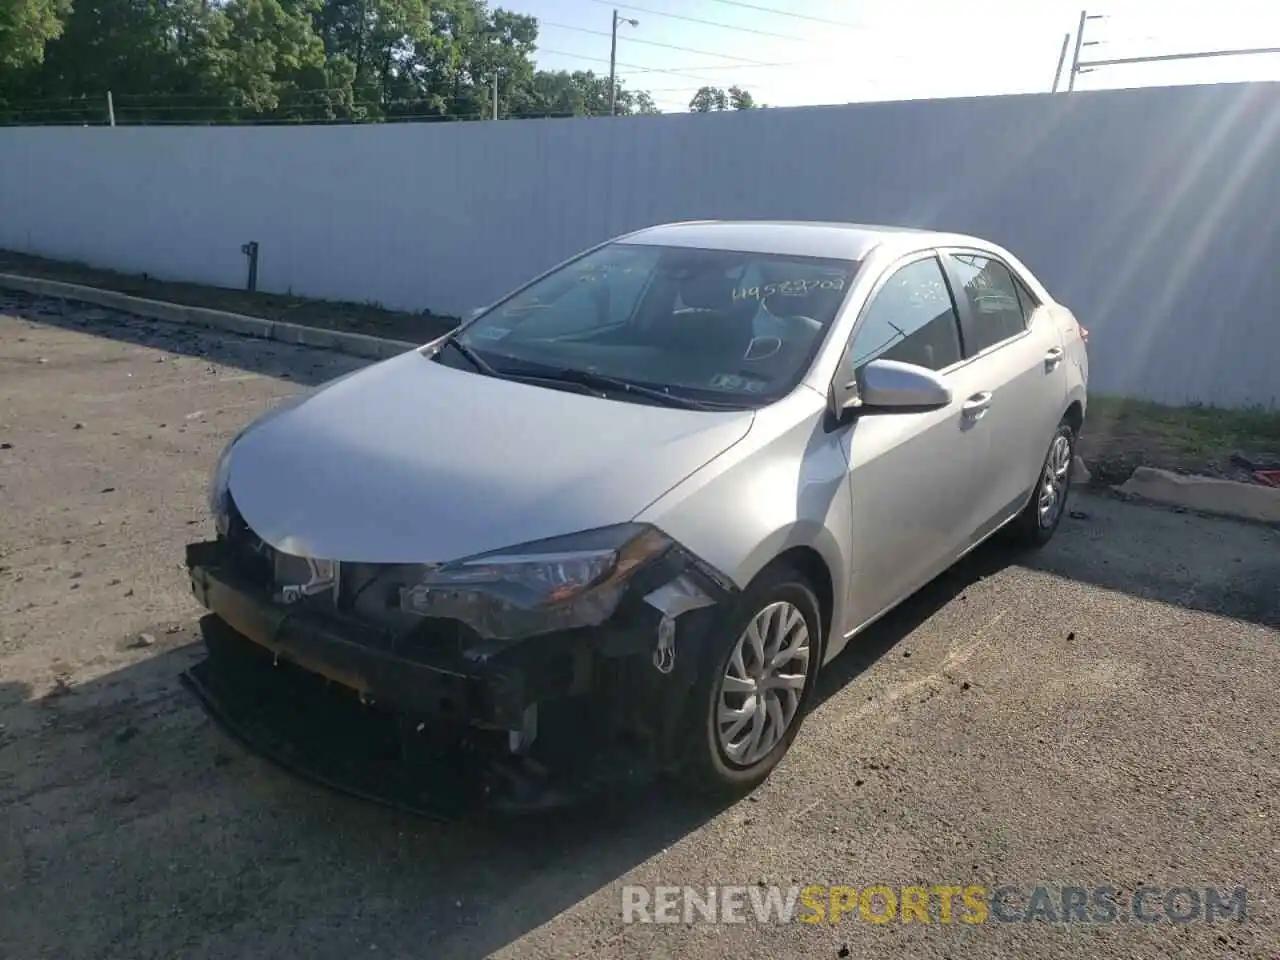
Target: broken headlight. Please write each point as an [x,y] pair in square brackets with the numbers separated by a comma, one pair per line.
[557,584]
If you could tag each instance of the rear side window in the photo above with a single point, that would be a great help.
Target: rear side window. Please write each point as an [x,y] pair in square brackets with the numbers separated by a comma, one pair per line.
[910,319]
[1026,298]
[995,312]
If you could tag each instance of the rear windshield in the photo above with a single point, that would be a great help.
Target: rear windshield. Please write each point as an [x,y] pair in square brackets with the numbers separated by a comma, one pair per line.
[711,324]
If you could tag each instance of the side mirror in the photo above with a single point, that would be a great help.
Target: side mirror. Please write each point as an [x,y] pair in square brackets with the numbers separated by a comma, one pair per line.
[895,386]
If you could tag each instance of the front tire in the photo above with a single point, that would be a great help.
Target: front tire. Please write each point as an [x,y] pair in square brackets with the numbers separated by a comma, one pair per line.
[754,684]
[1039,519]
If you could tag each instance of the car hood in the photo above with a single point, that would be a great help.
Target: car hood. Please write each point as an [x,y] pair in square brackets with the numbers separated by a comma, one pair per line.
[411,461]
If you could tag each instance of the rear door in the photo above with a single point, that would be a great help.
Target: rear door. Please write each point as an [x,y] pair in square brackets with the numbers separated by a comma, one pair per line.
[1016,350]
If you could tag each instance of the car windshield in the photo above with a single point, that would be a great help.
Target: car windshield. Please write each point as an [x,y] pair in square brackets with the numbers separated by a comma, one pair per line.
[712,325]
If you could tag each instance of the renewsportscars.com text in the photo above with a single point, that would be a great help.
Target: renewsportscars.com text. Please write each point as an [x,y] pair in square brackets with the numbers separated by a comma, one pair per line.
[942,903]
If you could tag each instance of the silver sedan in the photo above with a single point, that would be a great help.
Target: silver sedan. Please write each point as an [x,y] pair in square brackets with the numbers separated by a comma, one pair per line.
[628,511]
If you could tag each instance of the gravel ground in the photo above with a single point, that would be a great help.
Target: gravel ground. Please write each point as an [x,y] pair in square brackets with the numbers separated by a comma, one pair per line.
[1103,716]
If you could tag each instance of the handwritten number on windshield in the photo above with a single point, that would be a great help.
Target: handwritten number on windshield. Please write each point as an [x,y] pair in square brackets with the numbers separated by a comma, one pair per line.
[787,288]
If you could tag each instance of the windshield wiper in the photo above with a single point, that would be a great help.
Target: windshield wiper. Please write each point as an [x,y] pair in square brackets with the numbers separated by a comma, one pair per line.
[473,358]
[607,384]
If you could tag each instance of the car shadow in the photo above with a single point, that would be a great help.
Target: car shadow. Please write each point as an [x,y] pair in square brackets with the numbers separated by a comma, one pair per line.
[129,825]
[302,365]
[1224,567]
[900,622]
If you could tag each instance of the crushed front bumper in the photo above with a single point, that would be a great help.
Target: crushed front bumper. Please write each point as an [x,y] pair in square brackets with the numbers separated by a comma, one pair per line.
[539,722]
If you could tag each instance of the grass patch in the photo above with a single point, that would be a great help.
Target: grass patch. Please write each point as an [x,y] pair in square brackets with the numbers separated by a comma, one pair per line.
[1121,434]
[1195,430]
[369,318]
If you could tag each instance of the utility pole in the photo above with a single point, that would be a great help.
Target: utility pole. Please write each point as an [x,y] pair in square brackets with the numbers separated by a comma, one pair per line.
[1080,42]
[1075,57]
[613,60]
[1062,56]
[111,110]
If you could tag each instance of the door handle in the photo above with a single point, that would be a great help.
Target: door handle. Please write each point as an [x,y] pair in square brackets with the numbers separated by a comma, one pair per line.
[1052,357]
[976,406]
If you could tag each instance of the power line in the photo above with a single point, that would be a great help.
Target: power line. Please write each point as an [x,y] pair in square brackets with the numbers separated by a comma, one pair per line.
[651,43]
[705,23]
[748,66]
[637,68]
[789,13]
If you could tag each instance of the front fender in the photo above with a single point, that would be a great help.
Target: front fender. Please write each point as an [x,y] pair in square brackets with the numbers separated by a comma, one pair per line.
[783,486]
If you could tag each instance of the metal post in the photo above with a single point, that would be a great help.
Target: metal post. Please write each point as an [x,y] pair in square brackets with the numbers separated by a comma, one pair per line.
[111,110]
[1075,58]
[1164,57]
[1062,56]
[250,250]
[613,66]
[495,94]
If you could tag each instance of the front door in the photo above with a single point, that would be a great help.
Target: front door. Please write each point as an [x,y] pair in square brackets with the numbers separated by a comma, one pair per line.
[913,475]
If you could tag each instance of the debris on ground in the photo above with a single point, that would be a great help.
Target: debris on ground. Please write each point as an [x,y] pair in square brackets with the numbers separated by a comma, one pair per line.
[61,687]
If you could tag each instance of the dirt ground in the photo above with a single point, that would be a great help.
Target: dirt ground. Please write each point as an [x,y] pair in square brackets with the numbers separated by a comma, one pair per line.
[1101,714]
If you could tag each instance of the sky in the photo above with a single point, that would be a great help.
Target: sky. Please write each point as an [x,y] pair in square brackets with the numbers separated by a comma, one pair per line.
[796,52]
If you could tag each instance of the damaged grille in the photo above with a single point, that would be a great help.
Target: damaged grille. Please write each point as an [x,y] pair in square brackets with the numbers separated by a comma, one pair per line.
[360,592]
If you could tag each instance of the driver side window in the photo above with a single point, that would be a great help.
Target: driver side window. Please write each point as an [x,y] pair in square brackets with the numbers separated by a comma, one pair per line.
[911,319]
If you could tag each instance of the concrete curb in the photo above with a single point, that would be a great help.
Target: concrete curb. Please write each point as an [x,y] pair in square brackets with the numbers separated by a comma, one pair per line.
[1226,498]
[354,344]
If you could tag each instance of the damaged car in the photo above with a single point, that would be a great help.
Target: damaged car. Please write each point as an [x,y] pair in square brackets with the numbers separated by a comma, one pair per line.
[613,525]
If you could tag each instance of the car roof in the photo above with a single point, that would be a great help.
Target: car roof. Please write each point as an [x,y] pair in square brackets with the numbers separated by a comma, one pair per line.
[838,241]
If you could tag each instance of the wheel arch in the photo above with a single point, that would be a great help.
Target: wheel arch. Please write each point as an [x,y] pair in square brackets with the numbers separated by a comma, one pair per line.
[1075,415]
[810,564]
[810,550]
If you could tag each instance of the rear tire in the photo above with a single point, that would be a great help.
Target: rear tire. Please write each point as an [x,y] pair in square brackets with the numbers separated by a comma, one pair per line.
[754,684]
[1039,519]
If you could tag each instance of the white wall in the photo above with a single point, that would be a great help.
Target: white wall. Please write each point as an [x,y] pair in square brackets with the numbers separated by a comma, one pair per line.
[1154,213]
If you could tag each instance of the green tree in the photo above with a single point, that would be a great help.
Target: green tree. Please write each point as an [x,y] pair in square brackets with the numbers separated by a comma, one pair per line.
[273,63]
[714,99]
[374,41]
[642,102]
[207,61]
[581,93]
[741,99]
[25,27]
[709,99]
[135,50]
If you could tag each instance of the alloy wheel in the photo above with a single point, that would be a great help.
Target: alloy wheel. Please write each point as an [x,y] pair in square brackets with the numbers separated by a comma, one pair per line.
[763,684]
[1053,482]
